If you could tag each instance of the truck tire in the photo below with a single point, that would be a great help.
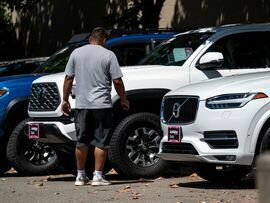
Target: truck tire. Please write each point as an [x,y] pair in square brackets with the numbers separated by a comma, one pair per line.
[134,145]
[30,157]
[222,173]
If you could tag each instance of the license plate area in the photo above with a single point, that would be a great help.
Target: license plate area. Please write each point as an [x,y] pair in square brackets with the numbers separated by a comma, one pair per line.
[33,131]
[174,134]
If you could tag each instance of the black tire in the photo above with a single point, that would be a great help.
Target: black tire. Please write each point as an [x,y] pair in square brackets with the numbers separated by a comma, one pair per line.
[30,157]
[128,142]
[222,173]
[265,143]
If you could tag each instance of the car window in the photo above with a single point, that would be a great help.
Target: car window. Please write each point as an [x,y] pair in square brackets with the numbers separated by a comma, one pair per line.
[57,62]
[130,54]
[176,50]
[243,50]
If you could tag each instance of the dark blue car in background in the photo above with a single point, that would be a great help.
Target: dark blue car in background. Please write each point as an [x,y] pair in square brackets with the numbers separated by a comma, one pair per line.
[28,156]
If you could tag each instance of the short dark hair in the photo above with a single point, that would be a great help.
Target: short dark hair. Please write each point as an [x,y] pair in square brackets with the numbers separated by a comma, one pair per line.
[99,33]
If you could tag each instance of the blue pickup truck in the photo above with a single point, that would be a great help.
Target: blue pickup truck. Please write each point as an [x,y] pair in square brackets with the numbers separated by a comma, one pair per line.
[30,157]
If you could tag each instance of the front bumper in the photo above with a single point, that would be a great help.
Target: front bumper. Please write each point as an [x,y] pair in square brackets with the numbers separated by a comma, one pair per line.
[227,149]
[54,132]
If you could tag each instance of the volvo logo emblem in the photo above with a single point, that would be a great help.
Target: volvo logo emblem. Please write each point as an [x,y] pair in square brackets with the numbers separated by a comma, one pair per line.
[176,110]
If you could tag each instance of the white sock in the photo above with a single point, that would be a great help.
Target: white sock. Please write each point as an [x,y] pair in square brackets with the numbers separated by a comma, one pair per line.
[81,173]
[98,174]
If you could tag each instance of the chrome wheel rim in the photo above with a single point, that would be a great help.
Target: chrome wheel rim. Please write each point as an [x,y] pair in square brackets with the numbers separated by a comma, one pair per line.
[142,145]
[37,153]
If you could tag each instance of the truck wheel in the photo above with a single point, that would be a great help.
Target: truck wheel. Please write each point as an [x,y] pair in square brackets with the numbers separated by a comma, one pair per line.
[30,157]
[134,145]
[222,173]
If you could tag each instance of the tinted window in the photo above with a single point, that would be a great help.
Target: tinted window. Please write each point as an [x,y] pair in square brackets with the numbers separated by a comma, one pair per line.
[244,50]
[176,50]
[130,54]
[57,62]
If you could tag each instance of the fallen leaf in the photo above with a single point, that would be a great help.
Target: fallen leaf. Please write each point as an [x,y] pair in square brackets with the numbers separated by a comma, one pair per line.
[112,172]
[56,193]
[146,184]
[39,184]
[136,195]
[48,178]
[194,175]
[174,185]
[125,189]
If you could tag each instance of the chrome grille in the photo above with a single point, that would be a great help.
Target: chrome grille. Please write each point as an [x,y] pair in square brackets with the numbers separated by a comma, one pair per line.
[180,110]
[44,97]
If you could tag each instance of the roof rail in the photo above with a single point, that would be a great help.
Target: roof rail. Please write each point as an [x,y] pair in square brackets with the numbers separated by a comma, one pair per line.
[121,32]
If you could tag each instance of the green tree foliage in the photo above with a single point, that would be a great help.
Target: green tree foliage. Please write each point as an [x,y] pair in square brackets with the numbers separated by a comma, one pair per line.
[137,14]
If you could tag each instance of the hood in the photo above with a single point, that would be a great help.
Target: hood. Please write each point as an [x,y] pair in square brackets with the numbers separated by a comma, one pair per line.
[15,80]
[51,78]
[135,76]
[252,82]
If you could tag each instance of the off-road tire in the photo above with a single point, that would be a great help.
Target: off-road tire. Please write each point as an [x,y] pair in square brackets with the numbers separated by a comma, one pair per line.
[15,154]
[118,153]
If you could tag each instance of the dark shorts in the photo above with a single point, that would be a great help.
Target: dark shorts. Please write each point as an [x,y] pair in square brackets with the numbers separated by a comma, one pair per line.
[93,126]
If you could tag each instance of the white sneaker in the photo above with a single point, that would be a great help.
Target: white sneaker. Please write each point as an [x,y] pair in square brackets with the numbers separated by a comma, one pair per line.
[81,181]
[99,181]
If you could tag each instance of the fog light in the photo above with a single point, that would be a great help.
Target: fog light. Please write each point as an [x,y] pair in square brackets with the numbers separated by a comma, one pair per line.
[225,157]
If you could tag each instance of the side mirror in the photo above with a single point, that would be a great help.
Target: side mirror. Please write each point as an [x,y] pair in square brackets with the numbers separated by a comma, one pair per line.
[211,60]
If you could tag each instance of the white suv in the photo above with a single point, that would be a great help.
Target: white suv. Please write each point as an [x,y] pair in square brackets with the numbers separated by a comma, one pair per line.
[188,57]
[221,125]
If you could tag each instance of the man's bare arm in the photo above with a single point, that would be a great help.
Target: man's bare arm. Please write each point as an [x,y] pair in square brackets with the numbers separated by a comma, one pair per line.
[66,92]
[120,89]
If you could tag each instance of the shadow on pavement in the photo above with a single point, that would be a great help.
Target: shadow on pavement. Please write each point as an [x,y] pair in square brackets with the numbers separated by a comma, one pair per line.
[244,184]
[115,179]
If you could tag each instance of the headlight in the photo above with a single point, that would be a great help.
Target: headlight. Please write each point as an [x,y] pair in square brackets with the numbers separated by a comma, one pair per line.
[3,91]
[162,111]
[229,101]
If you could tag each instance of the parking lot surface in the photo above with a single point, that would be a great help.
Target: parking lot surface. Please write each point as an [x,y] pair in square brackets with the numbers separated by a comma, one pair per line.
[60,188]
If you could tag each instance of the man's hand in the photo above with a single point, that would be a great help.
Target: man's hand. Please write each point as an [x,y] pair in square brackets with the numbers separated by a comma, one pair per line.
[125,104]
[66,109]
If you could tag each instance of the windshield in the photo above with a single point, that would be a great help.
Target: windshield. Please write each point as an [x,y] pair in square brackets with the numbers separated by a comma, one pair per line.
[57,62]
[176,50]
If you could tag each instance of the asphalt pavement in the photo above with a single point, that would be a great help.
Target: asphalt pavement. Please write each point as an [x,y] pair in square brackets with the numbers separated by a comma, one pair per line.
[60,188]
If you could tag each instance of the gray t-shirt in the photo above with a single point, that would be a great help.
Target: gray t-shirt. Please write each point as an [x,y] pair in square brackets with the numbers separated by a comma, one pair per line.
[94,68]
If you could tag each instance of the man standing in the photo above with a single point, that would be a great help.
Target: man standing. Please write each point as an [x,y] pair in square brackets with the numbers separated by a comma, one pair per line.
[94,68]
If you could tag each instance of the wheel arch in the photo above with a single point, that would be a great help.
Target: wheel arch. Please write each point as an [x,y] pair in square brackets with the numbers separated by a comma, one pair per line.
[260,124]
[17,108]
[141,100]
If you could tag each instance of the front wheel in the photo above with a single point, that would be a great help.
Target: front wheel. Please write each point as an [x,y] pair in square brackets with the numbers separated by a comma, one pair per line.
[30,157]
[135,144]
[221,173]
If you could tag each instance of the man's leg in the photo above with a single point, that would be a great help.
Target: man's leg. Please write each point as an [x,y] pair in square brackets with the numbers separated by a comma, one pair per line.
[81,156]
[100,158]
